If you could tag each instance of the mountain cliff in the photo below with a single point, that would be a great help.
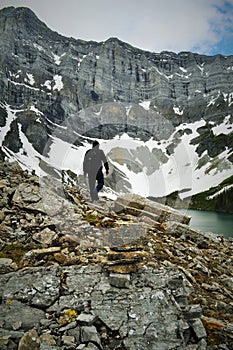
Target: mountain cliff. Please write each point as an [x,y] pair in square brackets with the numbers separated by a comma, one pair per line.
[54,87]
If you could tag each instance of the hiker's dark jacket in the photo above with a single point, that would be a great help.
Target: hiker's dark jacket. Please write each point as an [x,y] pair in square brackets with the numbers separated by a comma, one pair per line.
[94,160]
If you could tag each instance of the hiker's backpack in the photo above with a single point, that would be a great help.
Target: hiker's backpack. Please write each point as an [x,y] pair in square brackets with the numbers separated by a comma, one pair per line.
[89,161]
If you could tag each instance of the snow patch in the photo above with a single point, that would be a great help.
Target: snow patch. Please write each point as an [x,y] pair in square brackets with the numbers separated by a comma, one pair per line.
[37,111]
[183,69]
[213,99]
[30,79]
[27,157]
[15,75]
[180,172]
[38,47]
[178,111]
[145,105]
[47,84]
[98,113]
[57,58]
[27,86]
[128,108]
[64,155]
[228,98]
[81,59]
[201,68]
[57,126]
[225,189]
[58,82]
[224,128]
[10,118]
[183,76]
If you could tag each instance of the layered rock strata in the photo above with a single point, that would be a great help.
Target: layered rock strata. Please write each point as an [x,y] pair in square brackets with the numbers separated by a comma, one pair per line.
[47,76]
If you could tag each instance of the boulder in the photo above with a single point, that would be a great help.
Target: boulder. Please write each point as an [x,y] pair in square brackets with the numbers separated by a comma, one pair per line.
[139,206]
[31,286]
[16,316]
[39,199]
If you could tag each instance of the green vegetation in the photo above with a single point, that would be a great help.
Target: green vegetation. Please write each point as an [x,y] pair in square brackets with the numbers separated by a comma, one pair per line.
[222,198]
[14,252]
[214,144]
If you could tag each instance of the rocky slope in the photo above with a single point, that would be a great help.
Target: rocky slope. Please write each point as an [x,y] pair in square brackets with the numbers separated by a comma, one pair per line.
[124,274]
[58,88]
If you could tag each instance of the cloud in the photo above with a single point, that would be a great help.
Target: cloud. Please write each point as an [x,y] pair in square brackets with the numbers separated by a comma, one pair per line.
[179,25]
[154,25]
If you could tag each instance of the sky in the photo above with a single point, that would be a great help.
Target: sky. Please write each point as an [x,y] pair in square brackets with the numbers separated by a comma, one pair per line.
[202,26]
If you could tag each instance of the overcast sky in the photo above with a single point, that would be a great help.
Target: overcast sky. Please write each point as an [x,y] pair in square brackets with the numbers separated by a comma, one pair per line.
[203,26]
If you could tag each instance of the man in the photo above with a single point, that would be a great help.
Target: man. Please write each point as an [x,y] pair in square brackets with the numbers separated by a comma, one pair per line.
[93,165]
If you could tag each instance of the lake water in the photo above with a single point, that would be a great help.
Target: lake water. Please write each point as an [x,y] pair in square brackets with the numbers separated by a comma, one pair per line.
[211,221]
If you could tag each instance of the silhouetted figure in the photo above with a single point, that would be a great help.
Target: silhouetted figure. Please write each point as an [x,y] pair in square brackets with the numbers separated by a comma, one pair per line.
[92,166]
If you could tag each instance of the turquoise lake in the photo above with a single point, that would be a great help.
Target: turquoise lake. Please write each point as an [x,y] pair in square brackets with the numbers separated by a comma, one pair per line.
[210,221]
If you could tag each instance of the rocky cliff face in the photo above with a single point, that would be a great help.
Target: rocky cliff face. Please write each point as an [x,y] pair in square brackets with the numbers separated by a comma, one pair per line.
[63,75]
[108,88]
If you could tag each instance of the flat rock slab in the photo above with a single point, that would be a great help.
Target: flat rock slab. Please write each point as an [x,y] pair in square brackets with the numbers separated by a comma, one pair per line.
[145,308]
[36,286]
[15,315]
[137,205]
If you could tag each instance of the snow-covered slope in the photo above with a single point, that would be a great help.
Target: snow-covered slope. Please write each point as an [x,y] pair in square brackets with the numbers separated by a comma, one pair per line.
[150,168]
[163,119]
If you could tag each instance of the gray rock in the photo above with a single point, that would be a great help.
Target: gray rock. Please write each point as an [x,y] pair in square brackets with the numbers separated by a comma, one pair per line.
[119,280]
[138,205]
[228,282]
[18,316]
[29,341]
[46,236]
[75,332]
[138,292]
[32,286]
[5,262]
[183,230]
[92,346]
[65,302]
[192,311]
[47,339]
[68,340]
[90,334]
[147,313]
[199,329]
[7,334]
[40,199]
[86,319]
[48,347]
[68,327]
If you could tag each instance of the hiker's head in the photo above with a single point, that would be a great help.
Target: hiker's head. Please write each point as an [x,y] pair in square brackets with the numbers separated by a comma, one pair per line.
[95,144]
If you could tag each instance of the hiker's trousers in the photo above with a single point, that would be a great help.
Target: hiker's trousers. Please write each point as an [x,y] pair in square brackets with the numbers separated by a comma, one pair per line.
[92,178]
